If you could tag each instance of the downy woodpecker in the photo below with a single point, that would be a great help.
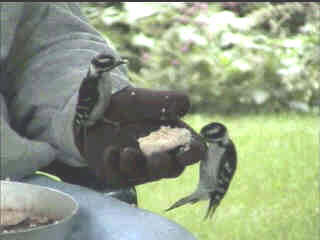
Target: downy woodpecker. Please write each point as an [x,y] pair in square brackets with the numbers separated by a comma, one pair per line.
[216,170]
[95,92]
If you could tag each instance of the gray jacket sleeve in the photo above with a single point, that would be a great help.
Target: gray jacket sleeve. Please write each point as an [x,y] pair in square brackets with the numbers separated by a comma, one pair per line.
[45,53]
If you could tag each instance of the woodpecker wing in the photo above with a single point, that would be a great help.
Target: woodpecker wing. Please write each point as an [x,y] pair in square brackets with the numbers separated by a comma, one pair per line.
[87,99]
[223,169]
[189,199]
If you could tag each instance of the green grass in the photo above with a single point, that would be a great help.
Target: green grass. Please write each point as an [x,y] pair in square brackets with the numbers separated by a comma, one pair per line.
[275,192]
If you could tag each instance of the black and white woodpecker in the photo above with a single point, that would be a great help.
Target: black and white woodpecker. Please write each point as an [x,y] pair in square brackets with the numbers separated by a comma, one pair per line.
[95,91]
[216,170]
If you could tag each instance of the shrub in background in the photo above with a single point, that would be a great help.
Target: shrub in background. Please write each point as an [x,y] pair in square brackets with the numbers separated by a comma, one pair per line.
[229,57]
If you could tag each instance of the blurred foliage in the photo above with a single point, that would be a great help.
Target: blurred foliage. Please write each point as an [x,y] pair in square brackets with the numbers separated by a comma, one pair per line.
[229,57]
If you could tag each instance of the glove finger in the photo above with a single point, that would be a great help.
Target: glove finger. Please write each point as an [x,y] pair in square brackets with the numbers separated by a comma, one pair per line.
[136,104]
[132,163]
[191,154]
[139,169]
[161,165]
[109,173]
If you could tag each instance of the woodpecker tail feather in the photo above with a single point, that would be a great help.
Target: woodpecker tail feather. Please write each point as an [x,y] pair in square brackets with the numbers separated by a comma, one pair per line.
[190,199]
[215,198]
[211,209]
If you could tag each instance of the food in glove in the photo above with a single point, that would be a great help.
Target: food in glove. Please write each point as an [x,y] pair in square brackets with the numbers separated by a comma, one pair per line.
[164,139]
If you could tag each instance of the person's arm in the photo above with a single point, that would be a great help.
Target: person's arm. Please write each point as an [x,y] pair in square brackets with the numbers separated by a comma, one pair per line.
[19,156]
[46,62]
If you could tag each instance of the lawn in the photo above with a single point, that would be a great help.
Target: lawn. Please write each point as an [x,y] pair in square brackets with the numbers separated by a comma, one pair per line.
[275,192]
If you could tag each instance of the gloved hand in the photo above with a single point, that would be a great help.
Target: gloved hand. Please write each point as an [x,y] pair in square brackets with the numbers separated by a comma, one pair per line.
[112,151]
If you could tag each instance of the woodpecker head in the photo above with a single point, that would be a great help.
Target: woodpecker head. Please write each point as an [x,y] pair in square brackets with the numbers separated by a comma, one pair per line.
[104,63]
[215,133]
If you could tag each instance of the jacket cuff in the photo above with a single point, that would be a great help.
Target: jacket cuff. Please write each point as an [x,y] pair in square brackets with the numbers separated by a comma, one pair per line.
[62,133]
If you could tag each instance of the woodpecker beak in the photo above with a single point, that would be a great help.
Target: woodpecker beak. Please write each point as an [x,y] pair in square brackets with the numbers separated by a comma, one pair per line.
[118,63]
[123,61]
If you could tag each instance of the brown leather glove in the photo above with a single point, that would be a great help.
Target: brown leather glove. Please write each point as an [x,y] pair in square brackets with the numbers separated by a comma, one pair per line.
[113,152]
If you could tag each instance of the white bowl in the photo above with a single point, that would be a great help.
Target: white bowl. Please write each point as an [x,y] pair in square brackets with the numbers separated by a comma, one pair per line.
[41,201]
